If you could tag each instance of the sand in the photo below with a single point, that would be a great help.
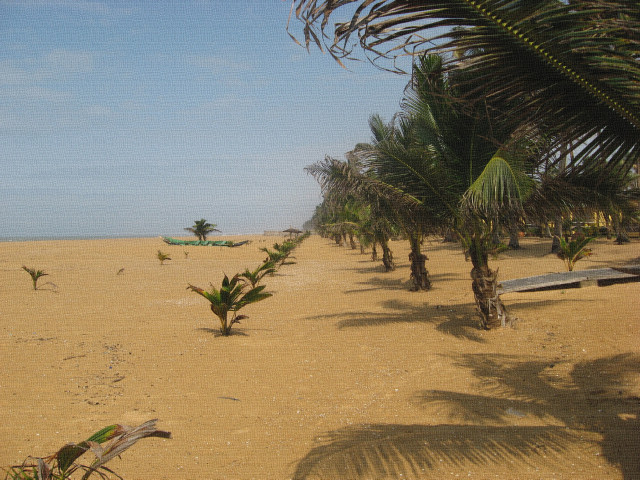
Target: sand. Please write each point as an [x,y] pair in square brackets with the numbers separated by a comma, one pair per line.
[343,373]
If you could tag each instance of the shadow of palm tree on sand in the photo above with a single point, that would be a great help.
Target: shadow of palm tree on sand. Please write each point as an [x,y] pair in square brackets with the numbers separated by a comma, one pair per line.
[592,410]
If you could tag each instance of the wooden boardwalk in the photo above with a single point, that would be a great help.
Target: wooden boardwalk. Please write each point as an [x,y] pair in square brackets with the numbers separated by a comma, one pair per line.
[580,278]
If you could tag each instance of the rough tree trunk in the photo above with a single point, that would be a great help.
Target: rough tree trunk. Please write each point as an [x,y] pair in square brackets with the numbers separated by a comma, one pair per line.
[514,237]
[557,234]
[352,242]
[495,234]
[419,273]
[387,255]
[484,284]
[449,236]
[374,252]
[621,234]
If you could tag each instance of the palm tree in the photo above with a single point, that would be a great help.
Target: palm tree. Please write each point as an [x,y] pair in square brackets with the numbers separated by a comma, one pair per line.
[231,297]
[572,65]
[336,181]
[442,167]
[201,228]
[392,141]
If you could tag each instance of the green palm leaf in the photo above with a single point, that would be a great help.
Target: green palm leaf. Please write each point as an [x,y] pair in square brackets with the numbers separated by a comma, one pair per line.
[498,189]
[569,68]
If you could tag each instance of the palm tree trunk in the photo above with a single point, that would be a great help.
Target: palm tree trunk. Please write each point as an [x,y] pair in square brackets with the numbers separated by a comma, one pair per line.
[387,255]
[419,273]
[495,233]
[557,224]
[484,284]
[225,327]
[449,235]
[621,234]
[514,237]
[374,252]
[352,242]
[557,233]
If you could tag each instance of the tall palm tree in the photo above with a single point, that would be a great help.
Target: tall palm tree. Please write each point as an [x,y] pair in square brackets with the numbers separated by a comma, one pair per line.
[442,166]
[571,65]
[391,141]
[201,228]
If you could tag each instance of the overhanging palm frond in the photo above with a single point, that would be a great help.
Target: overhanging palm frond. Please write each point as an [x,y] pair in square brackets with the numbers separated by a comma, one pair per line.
[582,194]
[569,67]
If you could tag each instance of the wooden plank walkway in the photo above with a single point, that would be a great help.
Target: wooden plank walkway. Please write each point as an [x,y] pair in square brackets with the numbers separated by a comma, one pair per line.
[579,278]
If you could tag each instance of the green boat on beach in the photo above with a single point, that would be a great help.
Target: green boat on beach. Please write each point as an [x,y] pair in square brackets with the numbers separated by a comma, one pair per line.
[206,243]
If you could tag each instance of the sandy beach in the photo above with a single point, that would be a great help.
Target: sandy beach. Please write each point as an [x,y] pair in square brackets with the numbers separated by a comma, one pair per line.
[343,373]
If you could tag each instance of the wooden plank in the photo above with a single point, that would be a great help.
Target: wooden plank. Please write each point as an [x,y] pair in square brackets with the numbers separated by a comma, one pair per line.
[567,279]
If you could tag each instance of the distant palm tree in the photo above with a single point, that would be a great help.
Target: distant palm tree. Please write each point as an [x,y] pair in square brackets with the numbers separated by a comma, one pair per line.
[162,257]
[201,229]
[335,179]
[35,275]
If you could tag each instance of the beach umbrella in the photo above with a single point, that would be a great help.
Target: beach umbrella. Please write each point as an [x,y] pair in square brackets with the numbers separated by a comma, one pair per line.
[292,231]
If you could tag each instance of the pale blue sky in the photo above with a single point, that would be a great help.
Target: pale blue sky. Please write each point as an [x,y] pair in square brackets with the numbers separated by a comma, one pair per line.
[130,118]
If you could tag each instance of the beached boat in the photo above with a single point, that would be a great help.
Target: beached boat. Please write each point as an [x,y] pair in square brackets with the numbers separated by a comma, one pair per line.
[206,243]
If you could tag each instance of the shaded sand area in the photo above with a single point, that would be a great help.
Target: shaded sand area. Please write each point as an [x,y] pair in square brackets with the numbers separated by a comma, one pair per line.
[343,373]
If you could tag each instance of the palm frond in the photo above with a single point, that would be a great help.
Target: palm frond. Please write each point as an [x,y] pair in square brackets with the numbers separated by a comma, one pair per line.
[335,175]
[499,188]
[569,67]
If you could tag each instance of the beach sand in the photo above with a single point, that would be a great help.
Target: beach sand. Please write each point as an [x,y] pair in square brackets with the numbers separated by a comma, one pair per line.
[343,373]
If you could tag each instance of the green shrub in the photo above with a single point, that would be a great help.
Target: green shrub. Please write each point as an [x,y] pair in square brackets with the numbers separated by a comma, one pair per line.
[574,249]
[162,257]
[35,275]
[231,297]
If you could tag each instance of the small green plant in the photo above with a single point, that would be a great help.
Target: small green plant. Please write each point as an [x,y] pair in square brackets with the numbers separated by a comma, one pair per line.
[275,257]
[162,257]
[35,275]
[498,249]
[230,298]
[254,277]
[105,444]
[574,249]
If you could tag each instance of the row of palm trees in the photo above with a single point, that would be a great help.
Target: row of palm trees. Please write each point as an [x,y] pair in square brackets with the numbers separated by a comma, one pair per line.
[465,157]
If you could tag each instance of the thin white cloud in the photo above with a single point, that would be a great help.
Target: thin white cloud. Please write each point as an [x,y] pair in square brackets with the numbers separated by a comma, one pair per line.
[67,62]
[12,74]
[55,64]
[34,93]
[90,7]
